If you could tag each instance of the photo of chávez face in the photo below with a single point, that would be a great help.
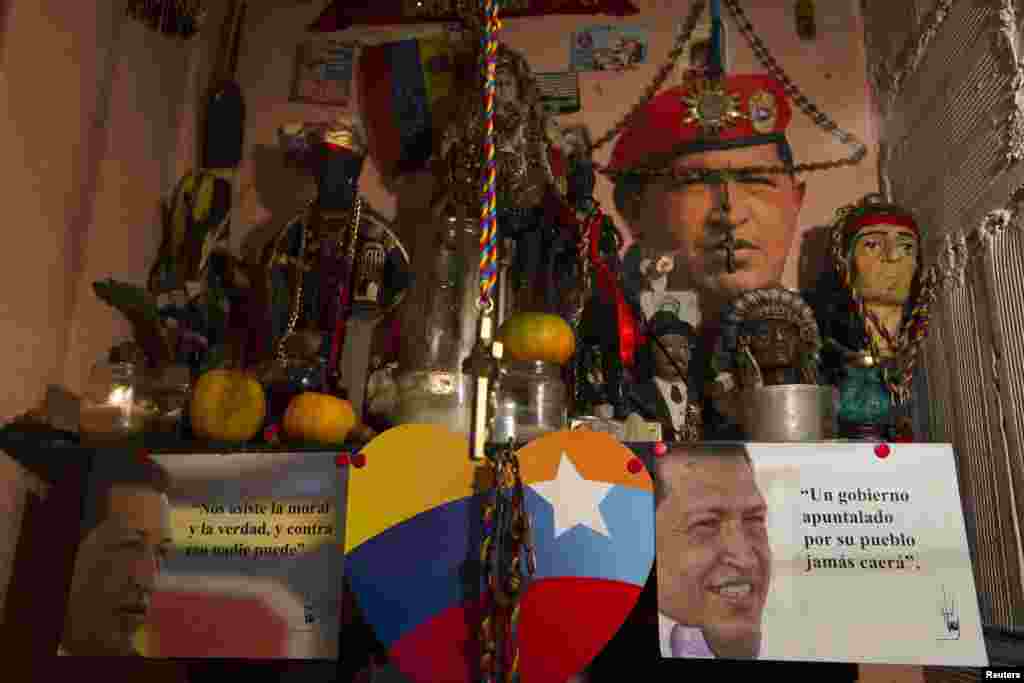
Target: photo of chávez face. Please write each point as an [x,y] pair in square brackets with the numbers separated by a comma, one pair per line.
[713,557]
[126,535]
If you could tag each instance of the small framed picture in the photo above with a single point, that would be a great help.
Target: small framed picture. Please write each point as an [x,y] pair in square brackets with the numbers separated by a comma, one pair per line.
[608,48]
[324,72]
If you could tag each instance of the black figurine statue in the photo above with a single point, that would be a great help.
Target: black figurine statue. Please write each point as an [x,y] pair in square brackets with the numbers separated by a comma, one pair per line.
[667,378]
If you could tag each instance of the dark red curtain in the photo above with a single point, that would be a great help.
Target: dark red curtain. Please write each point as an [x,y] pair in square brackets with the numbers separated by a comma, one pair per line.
[341,14]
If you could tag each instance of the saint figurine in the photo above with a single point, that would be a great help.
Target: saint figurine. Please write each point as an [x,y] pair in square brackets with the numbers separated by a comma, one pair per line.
[665,390]
[873,306]
[531,182]
[769,337]
[335,256]
[521,141]
[310,261]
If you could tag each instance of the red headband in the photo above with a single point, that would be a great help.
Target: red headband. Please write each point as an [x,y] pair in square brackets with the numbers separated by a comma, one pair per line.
[882,218]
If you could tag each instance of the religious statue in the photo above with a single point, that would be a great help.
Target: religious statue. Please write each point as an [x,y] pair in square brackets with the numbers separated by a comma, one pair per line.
[769,337]
[873,306]
[521,141]
[531,182]
[666,387]
[332,257]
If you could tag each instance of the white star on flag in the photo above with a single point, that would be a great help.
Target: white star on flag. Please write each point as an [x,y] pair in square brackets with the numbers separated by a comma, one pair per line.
[575,500]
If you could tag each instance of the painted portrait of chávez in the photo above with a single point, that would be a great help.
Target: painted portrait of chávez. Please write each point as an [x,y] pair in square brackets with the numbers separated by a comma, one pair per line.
[713,557]
[126,535]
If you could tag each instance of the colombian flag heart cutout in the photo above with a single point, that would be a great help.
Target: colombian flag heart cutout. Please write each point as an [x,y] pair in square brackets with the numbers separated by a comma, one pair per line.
[413,537]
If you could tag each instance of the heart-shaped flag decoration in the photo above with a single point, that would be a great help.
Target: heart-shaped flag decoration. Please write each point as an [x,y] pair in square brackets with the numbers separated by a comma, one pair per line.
[413,538]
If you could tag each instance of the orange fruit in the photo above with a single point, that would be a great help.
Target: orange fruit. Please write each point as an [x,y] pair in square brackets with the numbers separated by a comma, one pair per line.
[319,418]
[537,336]
[227,405]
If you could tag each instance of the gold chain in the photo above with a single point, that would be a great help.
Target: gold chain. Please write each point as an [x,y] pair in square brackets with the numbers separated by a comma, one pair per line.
[357,211]
[820,119]
[659,80]
[293,318]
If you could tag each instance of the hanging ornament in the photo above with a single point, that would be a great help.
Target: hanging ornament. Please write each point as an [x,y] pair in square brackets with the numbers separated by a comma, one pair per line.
[181,18]
[806,24]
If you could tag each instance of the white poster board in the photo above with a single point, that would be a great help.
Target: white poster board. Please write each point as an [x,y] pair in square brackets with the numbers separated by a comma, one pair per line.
[865,549]
[241,558]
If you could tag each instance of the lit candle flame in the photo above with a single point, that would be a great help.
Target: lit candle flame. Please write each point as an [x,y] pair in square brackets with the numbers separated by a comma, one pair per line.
[120,396]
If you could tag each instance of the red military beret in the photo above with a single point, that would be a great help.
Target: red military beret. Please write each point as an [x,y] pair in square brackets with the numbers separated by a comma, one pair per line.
[739,110]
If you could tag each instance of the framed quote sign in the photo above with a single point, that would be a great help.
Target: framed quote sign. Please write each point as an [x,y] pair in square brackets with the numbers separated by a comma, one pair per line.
[210,556]
[815,552]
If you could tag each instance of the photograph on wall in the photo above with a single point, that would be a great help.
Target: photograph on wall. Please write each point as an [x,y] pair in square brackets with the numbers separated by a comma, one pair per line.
[204,555]
[323,72]
[608,48]
[814,552]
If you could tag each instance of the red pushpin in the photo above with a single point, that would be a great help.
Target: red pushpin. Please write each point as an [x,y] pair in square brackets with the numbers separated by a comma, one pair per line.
[270,433]
[882,450]
[634,465]
[359,459]
[660,449]
[342,459]
[142,455]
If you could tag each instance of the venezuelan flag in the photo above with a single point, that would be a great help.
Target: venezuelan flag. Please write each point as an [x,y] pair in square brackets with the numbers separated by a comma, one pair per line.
[414,531]
[399,86]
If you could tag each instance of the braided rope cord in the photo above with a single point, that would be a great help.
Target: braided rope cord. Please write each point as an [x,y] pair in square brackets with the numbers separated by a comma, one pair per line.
[488,192]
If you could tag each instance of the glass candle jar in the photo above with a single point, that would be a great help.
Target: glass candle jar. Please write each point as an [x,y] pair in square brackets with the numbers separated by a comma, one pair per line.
[532,400]
[110,408]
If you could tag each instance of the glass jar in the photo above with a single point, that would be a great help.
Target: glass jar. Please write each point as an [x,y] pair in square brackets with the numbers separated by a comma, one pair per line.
[439,321]
[165,394]
[110,409]
[532,400]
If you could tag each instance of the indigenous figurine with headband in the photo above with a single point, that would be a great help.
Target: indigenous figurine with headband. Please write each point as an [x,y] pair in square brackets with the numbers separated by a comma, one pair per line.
[769,337]
[873,308]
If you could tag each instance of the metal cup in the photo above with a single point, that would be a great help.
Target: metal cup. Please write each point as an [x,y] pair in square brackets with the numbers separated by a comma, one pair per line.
[789,413]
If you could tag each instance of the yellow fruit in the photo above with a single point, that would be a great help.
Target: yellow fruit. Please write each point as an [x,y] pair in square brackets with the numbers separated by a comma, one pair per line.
[319,418]
[537,336]
[227,405]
